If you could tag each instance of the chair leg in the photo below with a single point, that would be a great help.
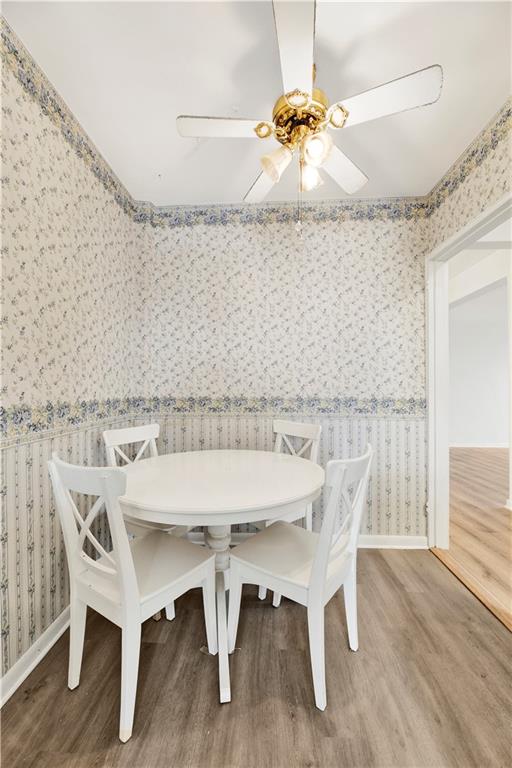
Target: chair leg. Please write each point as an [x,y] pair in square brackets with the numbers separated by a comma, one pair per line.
[129,672]
[317,653]
[210,613]
[235,598]
[170,612]
[262,591]
[78,615]
[350,596]
[276,600]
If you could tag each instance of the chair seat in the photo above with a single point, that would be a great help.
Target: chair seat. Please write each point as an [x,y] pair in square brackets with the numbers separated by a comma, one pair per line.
[138,528]
[159,560]
[283,550]
[290,518]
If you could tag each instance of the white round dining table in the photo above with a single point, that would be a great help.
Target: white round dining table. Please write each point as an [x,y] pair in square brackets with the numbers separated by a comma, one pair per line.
[218,489]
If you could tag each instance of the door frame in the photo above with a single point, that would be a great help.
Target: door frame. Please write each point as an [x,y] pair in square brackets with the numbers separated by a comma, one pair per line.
[437,347]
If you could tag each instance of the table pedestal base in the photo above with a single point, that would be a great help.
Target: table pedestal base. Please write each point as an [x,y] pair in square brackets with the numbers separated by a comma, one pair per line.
[218,538]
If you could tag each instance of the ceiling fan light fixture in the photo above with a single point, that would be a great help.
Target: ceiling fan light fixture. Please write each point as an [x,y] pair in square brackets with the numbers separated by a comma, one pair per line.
[302,114]
[276,162]
[309,178]
[316,148]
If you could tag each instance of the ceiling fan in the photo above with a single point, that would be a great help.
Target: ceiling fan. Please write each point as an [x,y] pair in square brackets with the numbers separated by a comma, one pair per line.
[302,115]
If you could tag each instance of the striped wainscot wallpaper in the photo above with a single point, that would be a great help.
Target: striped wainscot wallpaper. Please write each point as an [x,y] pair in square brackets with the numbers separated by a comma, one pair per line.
[34,568]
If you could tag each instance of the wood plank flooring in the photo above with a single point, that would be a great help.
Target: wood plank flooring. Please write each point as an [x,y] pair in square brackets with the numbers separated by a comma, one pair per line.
[480,551]
[430,686]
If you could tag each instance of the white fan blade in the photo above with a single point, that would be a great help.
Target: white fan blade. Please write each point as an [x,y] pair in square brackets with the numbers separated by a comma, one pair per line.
[216,127]
[344,171]
[295,28]
[259,189]
[415,90]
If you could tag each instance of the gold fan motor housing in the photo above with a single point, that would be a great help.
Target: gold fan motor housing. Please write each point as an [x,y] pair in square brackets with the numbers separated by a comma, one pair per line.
[293,123]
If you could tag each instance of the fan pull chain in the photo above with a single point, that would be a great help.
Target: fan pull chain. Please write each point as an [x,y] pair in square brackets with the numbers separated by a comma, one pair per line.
[298,225]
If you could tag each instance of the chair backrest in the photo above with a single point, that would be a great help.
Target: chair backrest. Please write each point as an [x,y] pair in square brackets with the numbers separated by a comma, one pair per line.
[346,484]
[114,438]
[107,485]
[309,433]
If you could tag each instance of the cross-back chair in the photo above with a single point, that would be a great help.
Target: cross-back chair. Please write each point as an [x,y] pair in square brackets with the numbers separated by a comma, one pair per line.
[127,583]
[308,567]
[145,438]
[117,439]
[302,440]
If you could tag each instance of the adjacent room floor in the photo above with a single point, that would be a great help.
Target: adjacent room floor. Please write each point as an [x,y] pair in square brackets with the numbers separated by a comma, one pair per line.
[428,687]
[480,527]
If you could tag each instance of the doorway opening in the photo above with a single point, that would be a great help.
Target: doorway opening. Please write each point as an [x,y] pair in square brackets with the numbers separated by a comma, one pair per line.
[470,419]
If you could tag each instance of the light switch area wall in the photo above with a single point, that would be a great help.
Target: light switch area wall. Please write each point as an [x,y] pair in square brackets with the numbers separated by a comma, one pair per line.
[479,381]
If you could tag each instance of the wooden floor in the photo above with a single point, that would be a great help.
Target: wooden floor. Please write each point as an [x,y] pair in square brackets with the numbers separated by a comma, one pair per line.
[480,551]
[430,686]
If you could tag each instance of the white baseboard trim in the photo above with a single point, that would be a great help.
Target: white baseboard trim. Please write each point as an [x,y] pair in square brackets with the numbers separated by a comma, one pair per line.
[378,541]
[15,676]
[478,445]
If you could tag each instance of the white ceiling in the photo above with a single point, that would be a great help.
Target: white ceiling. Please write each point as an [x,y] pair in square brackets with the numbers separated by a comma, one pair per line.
[127,70]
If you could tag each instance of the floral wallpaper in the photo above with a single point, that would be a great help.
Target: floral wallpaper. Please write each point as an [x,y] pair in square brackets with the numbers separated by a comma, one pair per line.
[138,346]
[477,180]
[252,310]
[211,320]
[67,253]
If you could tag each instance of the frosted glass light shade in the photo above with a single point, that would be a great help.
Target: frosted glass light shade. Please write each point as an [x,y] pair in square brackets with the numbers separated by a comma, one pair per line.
[275,163]
[309,178]
[316,148]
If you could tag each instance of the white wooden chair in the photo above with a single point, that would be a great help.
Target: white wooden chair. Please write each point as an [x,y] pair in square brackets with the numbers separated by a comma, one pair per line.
[310,435]
[307,567]
[128,584]
[146,435]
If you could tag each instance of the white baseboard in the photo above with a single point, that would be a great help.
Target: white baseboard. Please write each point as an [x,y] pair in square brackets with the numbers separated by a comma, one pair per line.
[478,445]
[380,541]
[31,658]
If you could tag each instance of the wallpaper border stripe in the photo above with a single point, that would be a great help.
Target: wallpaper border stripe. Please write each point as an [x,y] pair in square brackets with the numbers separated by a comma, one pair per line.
[35,83]
[21,421]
